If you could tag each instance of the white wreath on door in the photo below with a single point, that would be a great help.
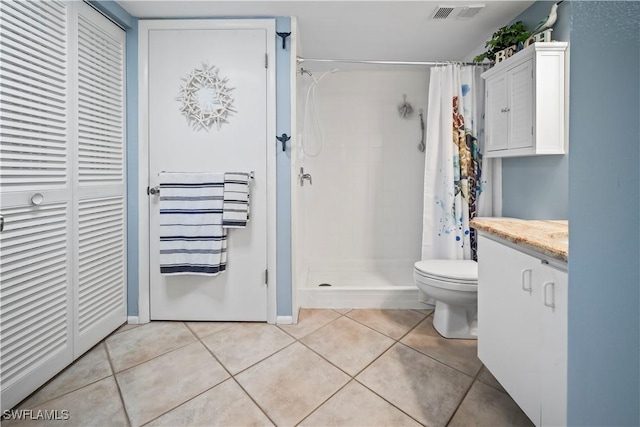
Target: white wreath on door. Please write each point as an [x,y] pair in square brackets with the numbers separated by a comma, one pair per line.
[205,98]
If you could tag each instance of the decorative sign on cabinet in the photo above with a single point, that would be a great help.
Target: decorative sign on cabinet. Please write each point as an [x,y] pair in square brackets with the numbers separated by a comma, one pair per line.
[525,102]
[522,328]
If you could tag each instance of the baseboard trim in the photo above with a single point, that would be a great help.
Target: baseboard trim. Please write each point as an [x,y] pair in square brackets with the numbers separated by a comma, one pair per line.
[133,320]
[284,320]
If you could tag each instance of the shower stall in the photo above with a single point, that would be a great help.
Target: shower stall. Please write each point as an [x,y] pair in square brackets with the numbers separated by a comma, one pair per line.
[357,186]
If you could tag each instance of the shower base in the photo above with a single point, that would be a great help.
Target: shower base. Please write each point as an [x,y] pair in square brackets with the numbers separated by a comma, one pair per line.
[377,287]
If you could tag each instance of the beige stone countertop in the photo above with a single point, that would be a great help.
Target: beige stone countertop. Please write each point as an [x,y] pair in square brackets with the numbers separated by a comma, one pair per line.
[549,237]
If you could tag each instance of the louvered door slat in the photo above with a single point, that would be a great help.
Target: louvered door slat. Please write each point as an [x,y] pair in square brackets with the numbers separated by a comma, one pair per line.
[19,46]
[22,67]
[95,109]
[101,248]
[20,86]
[32,282]
[27,305]
[49,14]
[33,137]
[32,33]
[34,97]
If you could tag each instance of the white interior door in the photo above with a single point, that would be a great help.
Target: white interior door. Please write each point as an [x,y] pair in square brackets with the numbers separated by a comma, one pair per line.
[240,293]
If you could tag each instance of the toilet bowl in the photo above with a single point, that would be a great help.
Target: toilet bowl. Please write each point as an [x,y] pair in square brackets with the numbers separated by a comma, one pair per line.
[453,284]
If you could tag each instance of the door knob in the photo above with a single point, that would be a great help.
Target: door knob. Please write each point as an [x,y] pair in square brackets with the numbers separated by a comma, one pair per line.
[37,199]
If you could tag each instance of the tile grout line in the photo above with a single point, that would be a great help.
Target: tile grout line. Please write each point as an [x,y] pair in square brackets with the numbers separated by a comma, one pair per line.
[475,379]
[159,355]
[353,377]
[115,379]
[381,397]
[198,394]
[233,377]
[39,389]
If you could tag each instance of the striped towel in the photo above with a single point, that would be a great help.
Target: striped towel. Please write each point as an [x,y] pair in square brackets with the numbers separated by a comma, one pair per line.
[235,212]
[192,240]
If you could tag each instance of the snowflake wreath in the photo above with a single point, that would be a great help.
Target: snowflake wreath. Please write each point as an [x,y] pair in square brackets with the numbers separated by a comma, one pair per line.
[205,98]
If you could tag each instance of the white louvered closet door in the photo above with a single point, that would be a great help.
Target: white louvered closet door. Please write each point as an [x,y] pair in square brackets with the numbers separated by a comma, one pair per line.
[62,265]
[36,197]
[100,179]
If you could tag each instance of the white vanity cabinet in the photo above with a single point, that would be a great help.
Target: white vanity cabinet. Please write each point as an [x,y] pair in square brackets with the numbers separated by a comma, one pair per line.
[525,102]
[522,327]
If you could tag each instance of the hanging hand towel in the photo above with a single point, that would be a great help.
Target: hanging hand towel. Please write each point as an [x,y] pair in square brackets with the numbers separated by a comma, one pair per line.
[235,212]
[192,240]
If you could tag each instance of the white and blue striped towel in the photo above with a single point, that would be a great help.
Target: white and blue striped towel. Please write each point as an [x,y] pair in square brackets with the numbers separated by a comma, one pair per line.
[235,212]
[192,240]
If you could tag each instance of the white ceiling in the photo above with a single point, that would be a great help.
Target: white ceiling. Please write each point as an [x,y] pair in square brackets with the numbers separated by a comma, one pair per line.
[382,30]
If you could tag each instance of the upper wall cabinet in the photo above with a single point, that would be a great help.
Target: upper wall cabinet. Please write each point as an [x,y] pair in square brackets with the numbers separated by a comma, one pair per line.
[525,102]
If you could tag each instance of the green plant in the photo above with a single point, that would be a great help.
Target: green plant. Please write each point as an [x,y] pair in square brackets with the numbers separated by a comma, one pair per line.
[506,36]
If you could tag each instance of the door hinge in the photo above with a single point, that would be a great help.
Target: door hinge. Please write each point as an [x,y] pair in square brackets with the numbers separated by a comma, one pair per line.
[531,130]
[266,60]
[266,277]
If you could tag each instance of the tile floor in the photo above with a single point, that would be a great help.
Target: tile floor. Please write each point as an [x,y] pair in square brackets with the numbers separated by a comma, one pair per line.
[334,368]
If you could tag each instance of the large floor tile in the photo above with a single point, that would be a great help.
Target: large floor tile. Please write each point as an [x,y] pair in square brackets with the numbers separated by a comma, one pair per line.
[138,345]
[204,329]
[245,344]
[420,386]
[98,404]
[309,320]
[487,377]
[91,367]
[224,405]
[393,323]
[459,354]
[347,344]
[356,406]
[486,406]
[157,386]
[289,385]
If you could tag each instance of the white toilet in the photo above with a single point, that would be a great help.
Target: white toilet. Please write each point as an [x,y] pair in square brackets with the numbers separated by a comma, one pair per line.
[453,284]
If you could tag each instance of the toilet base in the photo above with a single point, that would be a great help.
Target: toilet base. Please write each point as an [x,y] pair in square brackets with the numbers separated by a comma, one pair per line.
[456,321]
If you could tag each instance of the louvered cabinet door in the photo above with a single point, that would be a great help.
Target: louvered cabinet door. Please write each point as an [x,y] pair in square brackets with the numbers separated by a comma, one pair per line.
[35,197]
[100,180]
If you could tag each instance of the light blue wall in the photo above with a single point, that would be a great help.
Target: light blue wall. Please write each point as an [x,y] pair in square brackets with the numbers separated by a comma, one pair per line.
[283,171]
[538,187]
[604,220]
[283,160]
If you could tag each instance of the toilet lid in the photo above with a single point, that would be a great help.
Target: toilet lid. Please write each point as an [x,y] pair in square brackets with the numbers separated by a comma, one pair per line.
[458,270]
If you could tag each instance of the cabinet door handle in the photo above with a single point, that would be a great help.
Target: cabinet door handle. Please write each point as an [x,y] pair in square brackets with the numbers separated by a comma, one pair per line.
[551,304]
[524,283]
[505,110]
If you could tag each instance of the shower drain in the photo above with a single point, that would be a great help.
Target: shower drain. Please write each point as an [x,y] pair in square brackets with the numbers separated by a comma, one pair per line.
[324,284]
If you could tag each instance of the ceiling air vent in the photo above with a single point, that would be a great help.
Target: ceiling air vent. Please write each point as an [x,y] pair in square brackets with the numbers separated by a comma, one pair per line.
[456,12]
[442,12]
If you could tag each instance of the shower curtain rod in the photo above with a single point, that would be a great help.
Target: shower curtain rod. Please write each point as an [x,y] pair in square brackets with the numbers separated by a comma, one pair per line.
[360,61]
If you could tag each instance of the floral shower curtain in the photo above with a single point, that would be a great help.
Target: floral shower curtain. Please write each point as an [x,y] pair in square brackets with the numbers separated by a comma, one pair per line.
[454,175]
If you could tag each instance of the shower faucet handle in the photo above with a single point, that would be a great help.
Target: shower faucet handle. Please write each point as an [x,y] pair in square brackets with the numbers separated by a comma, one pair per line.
[302,176]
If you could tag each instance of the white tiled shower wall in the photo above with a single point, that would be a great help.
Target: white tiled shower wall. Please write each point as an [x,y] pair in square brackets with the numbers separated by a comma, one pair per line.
[365,205]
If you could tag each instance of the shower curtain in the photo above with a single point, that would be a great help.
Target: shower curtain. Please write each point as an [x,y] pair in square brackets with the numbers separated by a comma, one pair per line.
[454,176]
